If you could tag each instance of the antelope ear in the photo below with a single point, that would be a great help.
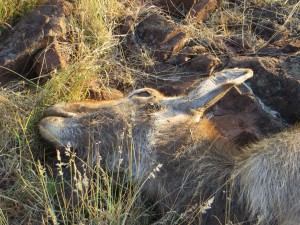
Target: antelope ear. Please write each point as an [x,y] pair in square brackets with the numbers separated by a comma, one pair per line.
[213,89]
[228,77]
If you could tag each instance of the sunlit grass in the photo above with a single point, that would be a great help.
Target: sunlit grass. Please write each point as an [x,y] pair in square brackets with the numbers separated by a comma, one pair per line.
[11,11]
[33,192]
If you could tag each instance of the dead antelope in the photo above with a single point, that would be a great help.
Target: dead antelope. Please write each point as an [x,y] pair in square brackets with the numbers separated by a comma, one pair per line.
[146,130]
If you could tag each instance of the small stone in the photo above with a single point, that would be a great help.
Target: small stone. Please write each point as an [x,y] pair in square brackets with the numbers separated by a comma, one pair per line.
[203,64]
[53,57]
[198,9]
[34,32]
[160,36]
[186,54]
[276,82]
[201,10]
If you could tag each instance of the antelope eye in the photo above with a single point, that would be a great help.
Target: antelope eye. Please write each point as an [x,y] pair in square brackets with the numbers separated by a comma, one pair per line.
[143,94]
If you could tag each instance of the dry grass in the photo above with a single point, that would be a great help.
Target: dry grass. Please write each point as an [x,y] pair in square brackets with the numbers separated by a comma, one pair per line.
[28,194]
[11,11]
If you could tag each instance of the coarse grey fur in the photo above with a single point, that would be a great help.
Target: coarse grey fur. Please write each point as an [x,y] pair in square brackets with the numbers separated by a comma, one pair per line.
[146,129]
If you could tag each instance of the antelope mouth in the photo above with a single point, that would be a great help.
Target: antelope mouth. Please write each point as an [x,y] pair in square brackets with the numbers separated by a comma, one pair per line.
[52,123]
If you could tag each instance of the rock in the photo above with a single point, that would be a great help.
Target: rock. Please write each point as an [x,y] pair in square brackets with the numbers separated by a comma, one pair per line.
[202,9]
[125,26]
[272,22]
[241,118]
[162,37]
[185,55]
[177,8]
[198,9]
[153,29]
[35,32]
[130,46]
[276,81]
[230,45]
[240,43]
[53,57]
[202,64]
[289,46]
[270,31]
